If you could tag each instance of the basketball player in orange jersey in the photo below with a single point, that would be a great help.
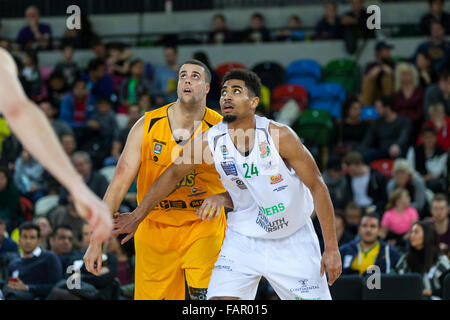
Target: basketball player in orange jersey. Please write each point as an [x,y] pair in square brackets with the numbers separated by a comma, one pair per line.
[172,244]
[33,130]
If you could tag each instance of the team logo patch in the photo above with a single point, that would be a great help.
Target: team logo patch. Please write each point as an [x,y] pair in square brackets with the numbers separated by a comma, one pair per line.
[158,148]
[229,168]
[239,183]
[280,188]
[264,149]
[224,150]
[276,179]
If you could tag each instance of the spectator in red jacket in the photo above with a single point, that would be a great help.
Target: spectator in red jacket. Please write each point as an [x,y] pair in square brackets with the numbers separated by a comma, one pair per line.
[441,123]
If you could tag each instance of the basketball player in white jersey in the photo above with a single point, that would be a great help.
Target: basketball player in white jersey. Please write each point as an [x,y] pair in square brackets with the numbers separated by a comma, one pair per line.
[275,185]
[33,130]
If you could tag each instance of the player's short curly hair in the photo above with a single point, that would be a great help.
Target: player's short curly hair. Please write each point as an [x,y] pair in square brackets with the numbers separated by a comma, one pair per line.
[251,80]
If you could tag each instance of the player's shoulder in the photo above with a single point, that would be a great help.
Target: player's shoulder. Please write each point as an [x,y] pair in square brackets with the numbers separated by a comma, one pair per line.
[158,112]
[282,130]
[212,117]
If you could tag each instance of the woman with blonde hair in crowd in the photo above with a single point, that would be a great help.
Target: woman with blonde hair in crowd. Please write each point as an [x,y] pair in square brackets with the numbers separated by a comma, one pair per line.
[408,96]
[399,217]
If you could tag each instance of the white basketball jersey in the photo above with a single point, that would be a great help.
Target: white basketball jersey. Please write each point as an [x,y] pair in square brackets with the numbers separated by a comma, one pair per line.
[270,201]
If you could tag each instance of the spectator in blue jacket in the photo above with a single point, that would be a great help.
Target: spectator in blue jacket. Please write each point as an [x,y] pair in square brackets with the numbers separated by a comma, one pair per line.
[7,245]
[75,107]
[33,275]
[99,83]
[367,250]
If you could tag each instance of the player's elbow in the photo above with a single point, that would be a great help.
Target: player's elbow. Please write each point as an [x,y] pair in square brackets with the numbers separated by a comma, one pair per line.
[13,109]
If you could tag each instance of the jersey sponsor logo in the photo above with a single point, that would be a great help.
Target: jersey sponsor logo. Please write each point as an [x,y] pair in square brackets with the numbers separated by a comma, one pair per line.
[264,149]
[239,183]
[158,148]
[268,226]
[305,286]
[176,204]
[197,191]
[276,179]
[196,203]
[280,188]
[188,180]
[229,168]
[270,211]
[155,158]
[160,142]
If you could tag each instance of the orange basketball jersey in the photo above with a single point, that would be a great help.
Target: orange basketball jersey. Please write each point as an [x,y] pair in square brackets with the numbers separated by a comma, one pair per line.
[159,150]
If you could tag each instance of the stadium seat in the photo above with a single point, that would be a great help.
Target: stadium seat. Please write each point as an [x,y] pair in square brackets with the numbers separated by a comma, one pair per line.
[315,125]
[223,68]
[395,287]
[343,71]
[347,287]
[369,113]
[272,74]
[384,166]
[329,97]
[286,92]
[45,204]
[304,72]
[446,295]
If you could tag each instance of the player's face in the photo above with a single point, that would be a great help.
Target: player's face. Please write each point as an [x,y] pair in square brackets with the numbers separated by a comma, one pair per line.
[192,86]
[235,100]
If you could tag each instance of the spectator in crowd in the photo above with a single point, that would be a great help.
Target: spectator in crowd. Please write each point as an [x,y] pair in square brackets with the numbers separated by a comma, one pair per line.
[360,254]
[353,215]
[398,218]
[28,176]
[125,269]
[7,245]
[354,25]
[365,186]
[437,47]
[31,76]
[436,13]
[81,38]
[61,128]
[336,182]
[349,132]
[69,143]
[165,77]
[257,32]
[95,181]
[430,161]
[33,275]
[102,286]
[439,213]
[35,35]
[408,96]
[11,150]
[10,208]
[61,243]
[100,83]
[378,79]
[67,67]
[76,109]
[118,63]
[57,89]
[5,132]
[133,87]
[46,229]
[427,74]
[439,92]
[342,234]
[100,133]
[220,33]
[329,26]
[145,103]
[67,215]
[213,97]
[120,139]
[99,49]
[425,257]
[293,32]
[405,177]
[441,124]
[388,136]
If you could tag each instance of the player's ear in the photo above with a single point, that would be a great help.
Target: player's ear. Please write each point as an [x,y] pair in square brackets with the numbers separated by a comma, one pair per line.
[208,87]
[254,102]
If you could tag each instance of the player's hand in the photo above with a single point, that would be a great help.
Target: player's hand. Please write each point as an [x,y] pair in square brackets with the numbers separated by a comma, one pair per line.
[211,207]
[331,263]
[94,211]
[125,223]
[93,258]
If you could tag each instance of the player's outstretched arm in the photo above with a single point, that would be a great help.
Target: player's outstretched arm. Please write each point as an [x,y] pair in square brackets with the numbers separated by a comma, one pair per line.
[33,130]
[301,160]
[192,156]
[126,170]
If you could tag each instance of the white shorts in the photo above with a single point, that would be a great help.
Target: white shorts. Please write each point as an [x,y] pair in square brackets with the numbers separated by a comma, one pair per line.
[291,265]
